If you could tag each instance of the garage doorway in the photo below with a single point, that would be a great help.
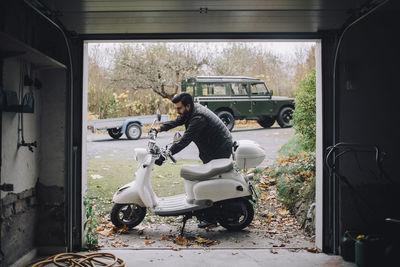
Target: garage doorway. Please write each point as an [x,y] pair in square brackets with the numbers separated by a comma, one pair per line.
[112,147]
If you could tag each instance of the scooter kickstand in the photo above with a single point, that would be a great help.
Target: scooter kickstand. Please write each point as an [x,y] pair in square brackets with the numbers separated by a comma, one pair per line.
[184,220]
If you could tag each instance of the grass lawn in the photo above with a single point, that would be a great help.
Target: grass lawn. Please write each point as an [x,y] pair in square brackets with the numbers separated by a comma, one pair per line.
[105,176]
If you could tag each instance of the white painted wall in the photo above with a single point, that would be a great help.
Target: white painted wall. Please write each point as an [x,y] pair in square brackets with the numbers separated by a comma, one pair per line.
[20,167]
[84,130]
[319,148]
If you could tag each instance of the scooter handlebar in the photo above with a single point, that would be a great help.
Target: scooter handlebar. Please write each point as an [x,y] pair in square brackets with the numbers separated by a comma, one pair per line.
[172,158]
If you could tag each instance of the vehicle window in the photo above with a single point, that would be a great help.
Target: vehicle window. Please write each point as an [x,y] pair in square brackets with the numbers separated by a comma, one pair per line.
[239,88]
[213,89]
[219,89]
[258,89]
[190,90]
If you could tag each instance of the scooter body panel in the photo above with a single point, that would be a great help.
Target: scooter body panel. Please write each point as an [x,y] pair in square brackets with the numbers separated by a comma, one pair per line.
[128,194]
[220,189]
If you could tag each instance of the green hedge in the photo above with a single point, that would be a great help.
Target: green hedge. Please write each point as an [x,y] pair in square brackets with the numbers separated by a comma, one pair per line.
[305,113]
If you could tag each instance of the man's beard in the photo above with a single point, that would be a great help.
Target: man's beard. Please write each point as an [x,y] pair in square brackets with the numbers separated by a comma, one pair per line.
[185,114]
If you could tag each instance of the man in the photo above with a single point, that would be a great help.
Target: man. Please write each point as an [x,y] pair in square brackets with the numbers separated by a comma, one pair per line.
[205,129]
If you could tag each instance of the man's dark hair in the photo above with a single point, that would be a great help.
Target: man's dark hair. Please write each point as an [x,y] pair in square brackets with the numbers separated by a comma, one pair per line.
[185,98]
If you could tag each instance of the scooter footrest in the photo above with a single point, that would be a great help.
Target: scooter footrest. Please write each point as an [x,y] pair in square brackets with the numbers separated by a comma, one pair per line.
[175,205]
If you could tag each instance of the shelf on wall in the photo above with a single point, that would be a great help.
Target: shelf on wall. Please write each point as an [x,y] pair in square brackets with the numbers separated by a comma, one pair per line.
[11,47]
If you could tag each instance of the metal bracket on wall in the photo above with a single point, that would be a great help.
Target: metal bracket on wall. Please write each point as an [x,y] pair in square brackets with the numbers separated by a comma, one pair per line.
[29,145]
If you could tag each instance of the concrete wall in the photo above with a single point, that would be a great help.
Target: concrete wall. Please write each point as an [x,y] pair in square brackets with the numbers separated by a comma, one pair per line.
[368,100]
[33,215]
[20,167]
[51,231]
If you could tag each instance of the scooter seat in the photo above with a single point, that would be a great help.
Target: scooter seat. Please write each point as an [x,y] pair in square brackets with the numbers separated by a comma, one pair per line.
[206,171]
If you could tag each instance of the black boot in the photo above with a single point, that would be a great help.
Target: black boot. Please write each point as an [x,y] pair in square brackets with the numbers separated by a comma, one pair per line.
[207,224]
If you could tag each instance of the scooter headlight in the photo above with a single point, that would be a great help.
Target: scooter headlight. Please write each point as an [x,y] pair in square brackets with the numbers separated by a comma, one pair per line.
[140,154]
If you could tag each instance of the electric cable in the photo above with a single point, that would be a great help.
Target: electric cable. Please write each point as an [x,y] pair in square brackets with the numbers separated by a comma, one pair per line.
[70,153]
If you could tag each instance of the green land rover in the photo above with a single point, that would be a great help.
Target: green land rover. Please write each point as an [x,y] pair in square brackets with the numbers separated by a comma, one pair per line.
[234,97]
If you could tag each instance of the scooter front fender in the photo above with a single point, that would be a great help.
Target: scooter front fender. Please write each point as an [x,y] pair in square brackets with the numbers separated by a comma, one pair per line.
[128,194]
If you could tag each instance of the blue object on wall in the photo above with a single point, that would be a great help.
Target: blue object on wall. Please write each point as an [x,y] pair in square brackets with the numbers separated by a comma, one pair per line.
[28,103]
[9,101]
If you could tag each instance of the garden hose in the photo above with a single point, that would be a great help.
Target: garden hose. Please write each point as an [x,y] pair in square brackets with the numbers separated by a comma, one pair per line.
[80,260]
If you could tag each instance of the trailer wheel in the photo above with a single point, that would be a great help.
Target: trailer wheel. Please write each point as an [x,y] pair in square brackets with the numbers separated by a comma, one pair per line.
[115,132]
[133,131]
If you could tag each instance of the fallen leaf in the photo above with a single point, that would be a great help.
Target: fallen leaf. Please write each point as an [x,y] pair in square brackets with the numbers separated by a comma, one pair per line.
[100,228]
[106,232]
[176,248]
[149,242]
[181,240]
[207,242]
[313,250]
[273,251]
[123,230]
[164,237]
[283,211]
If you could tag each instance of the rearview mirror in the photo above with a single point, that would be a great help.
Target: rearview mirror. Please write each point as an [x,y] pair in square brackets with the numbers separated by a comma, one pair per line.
[271,93]
[158,115]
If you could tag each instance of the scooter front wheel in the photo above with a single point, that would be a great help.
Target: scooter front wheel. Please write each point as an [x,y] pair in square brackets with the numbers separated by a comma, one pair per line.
[235,214]
[127,214]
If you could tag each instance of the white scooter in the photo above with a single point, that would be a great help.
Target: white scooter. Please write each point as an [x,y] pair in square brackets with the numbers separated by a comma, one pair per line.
[215,191]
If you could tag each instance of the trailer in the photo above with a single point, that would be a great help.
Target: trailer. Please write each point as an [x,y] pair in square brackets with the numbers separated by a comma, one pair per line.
[130,126]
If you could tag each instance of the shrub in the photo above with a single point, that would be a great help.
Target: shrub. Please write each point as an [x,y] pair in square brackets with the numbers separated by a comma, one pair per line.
[295,178]
[304,115]
[294,146]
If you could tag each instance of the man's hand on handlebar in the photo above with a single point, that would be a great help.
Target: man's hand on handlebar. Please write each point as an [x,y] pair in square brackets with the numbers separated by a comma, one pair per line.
[160,160]
[165,153]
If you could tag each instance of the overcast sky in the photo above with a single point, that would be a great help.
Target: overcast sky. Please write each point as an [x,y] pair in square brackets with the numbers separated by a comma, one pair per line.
[285,50]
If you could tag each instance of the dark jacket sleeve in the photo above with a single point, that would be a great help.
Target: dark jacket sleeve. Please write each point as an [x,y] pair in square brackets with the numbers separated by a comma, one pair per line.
[196,125]
[165,126]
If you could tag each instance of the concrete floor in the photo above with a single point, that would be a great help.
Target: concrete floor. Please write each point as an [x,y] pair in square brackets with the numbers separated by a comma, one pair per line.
[280,257]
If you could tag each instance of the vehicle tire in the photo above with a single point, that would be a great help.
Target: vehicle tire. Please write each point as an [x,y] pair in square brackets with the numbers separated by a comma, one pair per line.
[266,121]
[235,214]
[127,214]
[285,117]
[133,131]
[115,132]
[227,118]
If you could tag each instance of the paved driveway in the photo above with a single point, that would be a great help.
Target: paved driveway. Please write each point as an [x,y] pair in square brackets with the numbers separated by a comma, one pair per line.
[103,145]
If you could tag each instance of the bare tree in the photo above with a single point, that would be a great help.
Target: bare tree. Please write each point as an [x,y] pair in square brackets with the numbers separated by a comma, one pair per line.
[157,67]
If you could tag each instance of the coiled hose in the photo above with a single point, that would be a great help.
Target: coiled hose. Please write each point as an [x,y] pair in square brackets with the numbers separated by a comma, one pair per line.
[80,260]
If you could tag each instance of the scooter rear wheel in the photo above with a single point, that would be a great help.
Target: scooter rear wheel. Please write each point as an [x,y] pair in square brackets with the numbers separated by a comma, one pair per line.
[236,214]
[127,214]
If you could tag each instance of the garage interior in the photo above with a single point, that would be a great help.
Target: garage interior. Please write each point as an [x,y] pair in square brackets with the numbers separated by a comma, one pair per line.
[41,80]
